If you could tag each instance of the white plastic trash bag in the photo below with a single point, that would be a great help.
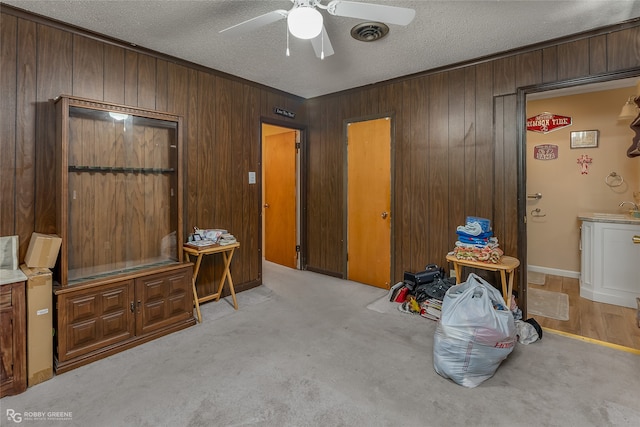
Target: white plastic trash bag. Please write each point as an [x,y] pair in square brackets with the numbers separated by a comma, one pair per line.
[475,333]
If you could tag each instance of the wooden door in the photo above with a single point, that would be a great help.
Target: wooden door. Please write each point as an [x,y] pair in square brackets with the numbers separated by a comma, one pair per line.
[279,160]
[369,202]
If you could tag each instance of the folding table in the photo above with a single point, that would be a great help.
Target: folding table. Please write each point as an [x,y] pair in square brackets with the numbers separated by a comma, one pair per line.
[227,253]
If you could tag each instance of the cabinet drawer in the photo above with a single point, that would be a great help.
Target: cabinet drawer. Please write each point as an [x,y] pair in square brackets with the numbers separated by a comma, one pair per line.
[94,318]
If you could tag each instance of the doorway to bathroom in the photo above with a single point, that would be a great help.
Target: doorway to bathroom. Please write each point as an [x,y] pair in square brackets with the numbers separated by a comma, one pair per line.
[561,182]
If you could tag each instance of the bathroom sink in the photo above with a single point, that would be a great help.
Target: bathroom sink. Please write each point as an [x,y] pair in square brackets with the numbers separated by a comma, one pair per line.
[611,215]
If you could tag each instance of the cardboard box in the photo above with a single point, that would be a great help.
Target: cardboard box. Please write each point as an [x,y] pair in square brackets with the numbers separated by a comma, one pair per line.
[39,325]
[43,250]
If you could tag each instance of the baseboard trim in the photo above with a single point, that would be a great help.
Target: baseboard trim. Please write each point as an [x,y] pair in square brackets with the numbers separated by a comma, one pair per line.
[554,271]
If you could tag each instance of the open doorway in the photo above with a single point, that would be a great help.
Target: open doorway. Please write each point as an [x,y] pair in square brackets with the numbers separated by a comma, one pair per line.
[559,189]
[281,195]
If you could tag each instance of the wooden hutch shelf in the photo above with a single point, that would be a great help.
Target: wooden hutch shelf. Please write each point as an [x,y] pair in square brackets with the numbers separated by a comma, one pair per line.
[119,279]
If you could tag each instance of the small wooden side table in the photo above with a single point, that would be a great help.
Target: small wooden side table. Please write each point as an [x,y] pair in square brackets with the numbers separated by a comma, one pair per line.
[507,265]
[227,253]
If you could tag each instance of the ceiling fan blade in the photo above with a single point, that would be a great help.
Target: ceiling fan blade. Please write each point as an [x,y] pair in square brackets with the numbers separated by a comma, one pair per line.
[322,43]
[257,22]
[372,12]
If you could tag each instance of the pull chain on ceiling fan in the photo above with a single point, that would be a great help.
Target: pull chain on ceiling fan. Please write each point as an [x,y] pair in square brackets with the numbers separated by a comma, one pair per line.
[305,22]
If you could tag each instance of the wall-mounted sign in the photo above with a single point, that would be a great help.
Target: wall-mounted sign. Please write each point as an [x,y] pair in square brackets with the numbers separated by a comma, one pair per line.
[282,112]
[547,122]
[545,152]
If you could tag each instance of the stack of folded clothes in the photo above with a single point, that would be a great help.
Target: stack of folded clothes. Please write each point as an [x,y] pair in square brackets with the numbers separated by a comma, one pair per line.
[226,239]
[476,241]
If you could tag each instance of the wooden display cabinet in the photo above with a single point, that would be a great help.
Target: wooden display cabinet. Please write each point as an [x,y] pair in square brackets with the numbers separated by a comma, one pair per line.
[119,279]
[13,342]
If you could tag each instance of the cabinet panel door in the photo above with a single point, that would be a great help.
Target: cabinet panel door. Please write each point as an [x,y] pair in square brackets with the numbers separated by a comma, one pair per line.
[13,344]
[94,318]
[163,299]
[6,347]
[620,259]
[586,246]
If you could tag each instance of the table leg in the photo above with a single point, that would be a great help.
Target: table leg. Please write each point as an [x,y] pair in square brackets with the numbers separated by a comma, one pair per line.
[196,300]
[458,269]
[505,293]
[510,288]
[226,276]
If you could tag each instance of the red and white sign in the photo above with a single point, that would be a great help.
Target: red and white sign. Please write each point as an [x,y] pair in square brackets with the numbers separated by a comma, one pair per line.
[545,152]
[547,122]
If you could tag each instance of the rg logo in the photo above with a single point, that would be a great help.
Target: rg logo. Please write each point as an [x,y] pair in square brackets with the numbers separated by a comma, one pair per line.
[14,416]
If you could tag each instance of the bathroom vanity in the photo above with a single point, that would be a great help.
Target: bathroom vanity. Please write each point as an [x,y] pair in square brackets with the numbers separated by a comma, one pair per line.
[610,259]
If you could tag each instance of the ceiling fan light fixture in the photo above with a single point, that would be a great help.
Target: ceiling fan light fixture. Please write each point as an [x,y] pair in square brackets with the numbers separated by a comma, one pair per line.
[304,22]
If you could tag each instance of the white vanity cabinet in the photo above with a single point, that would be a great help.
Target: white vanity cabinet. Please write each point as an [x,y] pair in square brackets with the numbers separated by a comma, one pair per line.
[610,268]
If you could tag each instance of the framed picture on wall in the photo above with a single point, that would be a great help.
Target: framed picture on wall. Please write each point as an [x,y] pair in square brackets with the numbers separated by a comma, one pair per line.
[584,139]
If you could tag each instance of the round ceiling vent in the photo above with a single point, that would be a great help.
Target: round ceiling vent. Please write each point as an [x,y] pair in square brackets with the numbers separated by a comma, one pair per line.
[369,31]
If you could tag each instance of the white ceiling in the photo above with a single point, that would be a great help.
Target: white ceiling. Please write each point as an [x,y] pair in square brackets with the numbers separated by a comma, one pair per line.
[442,33]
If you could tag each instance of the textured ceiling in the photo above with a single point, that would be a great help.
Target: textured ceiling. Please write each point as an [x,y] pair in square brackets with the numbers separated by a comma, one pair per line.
[442,33]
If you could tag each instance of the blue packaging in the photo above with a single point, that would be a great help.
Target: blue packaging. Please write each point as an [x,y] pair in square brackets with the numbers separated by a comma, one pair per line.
[484,222]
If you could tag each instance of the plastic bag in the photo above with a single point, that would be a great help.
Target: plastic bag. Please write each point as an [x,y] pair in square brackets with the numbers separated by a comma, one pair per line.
[475,334]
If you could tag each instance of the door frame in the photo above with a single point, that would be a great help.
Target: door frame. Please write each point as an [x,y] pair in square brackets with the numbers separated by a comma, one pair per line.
[303,167]
[345,195]
[521,134]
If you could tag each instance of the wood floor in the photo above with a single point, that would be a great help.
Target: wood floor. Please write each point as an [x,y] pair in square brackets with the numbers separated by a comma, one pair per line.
[595,320]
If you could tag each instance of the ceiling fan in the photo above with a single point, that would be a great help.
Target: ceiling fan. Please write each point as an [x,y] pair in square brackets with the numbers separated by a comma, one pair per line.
[304,21]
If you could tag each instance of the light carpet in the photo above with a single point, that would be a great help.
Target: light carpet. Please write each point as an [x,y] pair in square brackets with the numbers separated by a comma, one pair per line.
[217,309]
[554,305]
[384,304]
[313,355]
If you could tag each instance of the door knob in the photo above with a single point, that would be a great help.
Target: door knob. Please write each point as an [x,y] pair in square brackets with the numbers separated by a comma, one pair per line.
[636,240]
[266,205]
[384,215]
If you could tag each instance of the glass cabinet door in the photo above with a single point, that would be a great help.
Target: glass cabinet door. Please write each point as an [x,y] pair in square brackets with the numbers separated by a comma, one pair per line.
[122,192]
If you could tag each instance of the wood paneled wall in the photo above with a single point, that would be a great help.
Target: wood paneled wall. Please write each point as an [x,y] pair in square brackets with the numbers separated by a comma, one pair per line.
[41,59]
[455,142]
